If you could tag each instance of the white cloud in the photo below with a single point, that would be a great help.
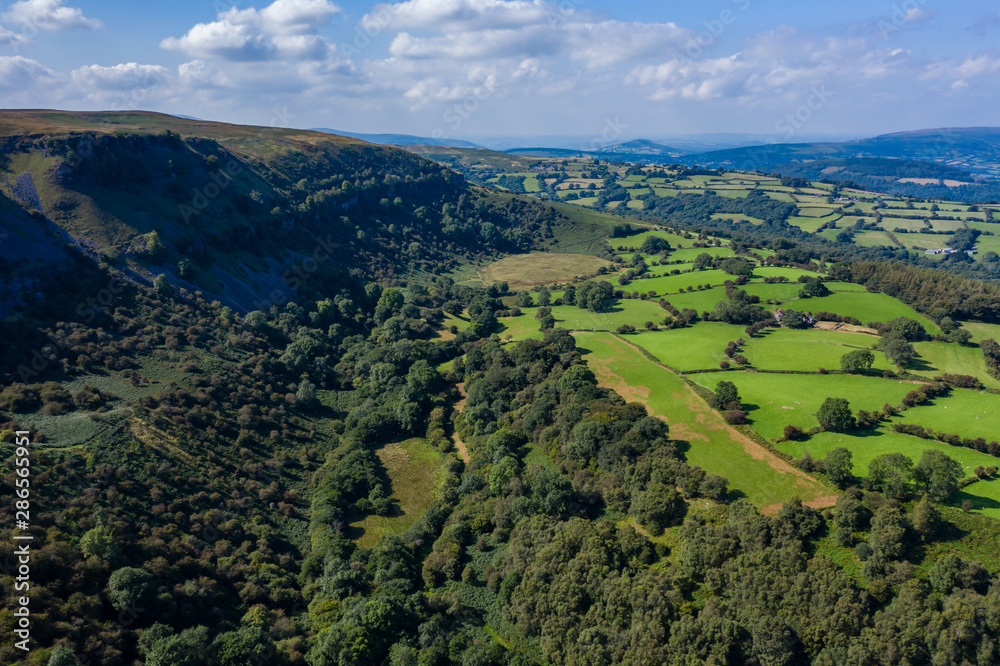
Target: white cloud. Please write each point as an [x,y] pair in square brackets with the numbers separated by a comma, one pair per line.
[48,15]
[918,15]
[463,15]
[285,29]
[18,73]
[12,39]
[125,76]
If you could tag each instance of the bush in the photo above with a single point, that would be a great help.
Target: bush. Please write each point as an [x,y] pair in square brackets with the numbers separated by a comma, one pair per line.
[735,417]
[794,433]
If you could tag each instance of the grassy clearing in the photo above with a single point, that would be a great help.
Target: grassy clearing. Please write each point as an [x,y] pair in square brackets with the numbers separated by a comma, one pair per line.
[763,477]
[673,284]
[634,312]
[966,412]
[807,350]
[981,331]
[698,347]
[939,357]
[776,400]
[699,301]
[866,307]
[985,495]
[539,268]
[414,468]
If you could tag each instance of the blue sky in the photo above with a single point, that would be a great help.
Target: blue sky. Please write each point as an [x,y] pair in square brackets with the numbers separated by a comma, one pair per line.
[611,70]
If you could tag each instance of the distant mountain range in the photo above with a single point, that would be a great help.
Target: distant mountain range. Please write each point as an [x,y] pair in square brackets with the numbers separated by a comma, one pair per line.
[400,139]
[973,149]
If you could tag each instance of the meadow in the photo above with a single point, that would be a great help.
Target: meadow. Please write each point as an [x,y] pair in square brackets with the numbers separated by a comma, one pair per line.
[414,469]
[711,444]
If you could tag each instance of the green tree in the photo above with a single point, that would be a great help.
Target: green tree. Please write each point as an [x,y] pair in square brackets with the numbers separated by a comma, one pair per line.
[838,467]
[62,656]
[938,474]
[888,532]
[897,350]
[596,296]
[737,266]
[813,288]
[161,284]
[702,261]
[889,473]
[129,586]
[857,361]
[99,543]
[926,519]
[544,296]
[835,415]
[726,393]
[659,507]
[246,645]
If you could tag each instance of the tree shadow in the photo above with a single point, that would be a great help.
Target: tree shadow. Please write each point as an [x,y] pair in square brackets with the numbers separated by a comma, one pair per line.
[750,407]
[920,365]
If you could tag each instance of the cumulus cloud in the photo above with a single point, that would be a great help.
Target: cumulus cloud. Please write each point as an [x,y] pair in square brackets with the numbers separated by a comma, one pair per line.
[48,15]
[285,29]
[480,29]
[125,76]
[12,39]
[18,73]
[463,15]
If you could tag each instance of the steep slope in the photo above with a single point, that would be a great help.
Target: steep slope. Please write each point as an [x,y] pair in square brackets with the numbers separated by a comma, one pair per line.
[250,215]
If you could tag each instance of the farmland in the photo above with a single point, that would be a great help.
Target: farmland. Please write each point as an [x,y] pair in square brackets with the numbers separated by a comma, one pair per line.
[784,375]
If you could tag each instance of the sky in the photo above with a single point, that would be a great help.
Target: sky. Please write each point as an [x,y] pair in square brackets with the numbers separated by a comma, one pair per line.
[480,68]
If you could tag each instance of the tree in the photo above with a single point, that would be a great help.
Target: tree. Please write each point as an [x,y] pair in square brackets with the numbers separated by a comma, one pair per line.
[850,513]
[888,533]
[897,350]
[596,296]
[938,474]
[129,587]
[161,284]
[62,656]
[813,288]
[99,543]
[839,467]
[737,266]
[889,473]
[544,296]
[243,646]
[726,393]
[702,261]
[659,507]
[926,519]
[835,415]
[857,361]
[306,395]
[654,245]
[910,329]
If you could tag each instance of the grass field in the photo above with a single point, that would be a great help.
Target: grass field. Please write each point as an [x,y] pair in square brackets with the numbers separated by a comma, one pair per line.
[866,307]
[414,468]
[966,412]
[629,311]
[936,358]
[714,446]
[539,268]
[985,495]
[698,347]
[776,400]
[807,350]
[981,331]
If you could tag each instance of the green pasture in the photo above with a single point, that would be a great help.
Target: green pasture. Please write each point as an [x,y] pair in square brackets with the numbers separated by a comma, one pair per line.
[935,358]
[710,444]
[775,400]
[865,306]
[864,447]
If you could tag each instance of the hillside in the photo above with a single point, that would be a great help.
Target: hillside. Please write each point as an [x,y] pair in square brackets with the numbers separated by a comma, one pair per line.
[247,214]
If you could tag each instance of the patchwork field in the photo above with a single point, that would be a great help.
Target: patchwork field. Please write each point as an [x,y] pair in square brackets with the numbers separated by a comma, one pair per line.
[776,400]
[713,445]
